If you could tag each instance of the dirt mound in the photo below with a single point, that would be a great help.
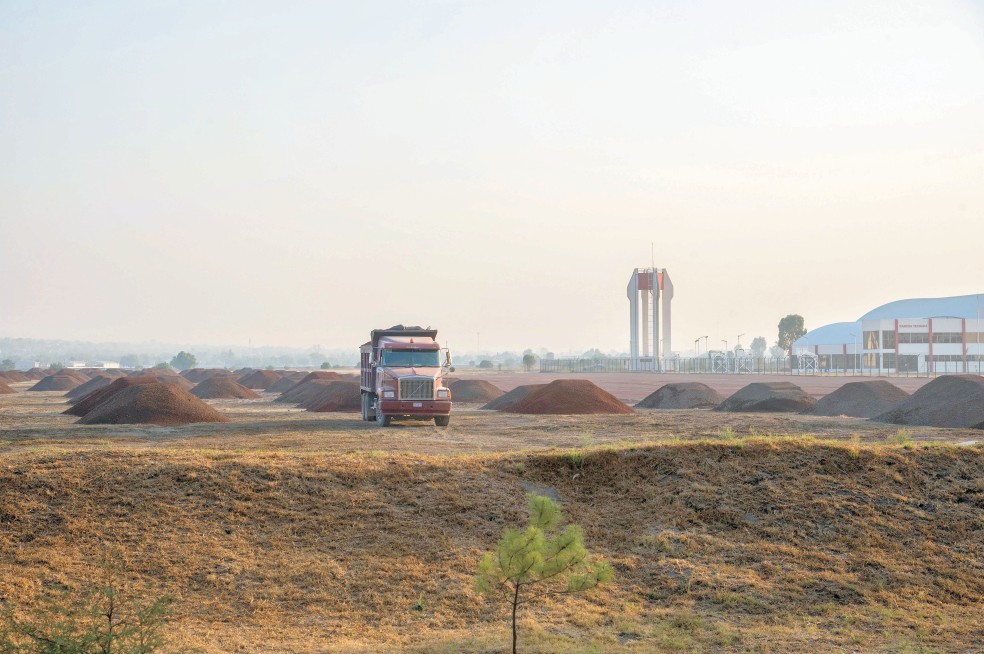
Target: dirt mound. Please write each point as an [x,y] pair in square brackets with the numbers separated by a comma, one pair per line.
[504,402]
[305,391]
[343,396]
[14,377]
[948,401]
[198,375]
[153,372]
[261,379]
[864,399]
[90,401]
[93,384]
[288,381]
[769,396]
[474,390]
[167,378]
[569,396]
[317,374]
[57,383]
[223,388]
[6,390]
[686,395]
[153,404]
[37,373]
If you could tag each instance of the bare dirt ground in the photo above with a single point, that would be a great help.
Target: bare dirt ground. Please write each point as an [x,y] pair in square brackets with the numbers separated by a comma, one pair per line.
[35,420]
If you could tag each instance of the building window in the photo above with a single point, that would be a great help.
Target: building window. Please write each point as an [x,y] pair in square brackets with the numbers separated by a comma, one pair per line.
[888,340]
[870,340]
[948,337]
[888,361]
[973,337]
[918,337]
[871,361]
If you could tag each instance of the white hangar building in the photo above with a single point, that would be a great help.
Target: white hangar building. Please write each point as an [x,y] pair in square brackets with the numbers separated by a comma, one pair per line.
[921,335]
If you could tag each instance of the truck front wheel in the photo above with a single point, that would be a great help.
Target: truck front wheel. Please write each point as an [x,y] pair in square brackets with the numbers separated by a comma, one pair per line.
[368,413]
[442,421]
[381,420]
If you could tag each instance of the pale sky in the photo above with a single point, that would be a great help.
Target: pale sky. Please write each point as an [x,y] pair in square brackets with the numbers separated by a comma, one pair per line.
[302,172]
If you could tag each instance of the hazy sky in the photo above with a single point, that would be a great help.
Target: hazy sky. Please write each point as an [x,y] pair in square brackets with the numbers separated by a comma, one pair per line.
[301,172]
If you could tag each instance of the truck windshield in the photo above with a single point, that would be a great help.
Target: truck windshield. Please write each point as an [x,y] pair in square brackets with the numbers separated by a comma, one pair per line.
[411,358]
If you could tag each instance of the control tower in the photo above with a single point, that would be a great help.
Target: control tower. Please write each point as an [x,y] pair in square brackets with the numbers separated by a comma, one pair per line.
[650,292]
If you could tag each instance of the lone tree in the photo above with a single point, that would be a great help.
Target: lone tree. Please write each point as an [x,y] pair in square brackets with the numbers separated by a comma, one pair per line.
[529,360]
[184,361]
[541,556]
[790,328]
[759,346]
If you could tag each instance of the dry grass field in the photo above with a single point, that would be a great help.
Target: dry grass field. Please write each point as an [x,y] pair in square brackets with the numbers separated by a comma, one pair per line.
[288,531]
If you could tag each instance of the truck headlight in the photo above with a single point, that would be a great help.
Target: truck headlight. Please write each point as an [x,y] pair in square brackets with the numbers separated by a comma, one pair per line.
[443,394]
[389,394]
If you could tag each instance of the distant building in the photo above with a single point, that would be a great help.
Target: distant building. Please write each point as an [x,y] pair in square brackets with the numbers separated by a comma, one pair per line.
[924,335]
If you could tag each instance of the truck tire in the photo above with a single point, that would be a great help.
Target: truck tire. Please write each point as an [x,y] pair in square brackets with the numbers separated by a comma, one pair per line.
[381,420]
[367,413]
[442,421]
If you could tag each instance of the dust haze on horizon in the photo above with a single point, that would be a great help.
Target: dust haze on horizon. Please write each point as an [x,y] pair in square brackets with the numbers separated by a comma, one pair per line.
[233,172]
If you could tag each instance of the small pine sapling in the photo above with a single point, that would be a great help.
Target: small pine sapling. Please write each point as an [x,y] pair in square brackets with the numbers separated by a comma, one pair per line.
[538,561]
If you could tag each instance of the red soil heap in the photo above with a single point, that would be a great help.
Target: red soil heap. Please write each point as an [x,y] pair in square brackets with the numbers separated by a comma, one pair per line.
[864,399]
[261,379]
[6,390]
[87,403]
[14,377]
[305,392]
[569,396]
[288,381]
[682,395]
[95,383]
[947,401]
[154,404]
[504,402]
[474,390]
[337,396]
[198,375]
[223,388]
[769,397]
[297,389]
[36,373]
[57,383]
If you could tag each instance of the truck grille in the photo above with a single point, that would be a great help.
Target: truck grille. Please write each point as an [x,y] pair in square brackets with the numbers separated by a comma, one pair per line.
[417,388]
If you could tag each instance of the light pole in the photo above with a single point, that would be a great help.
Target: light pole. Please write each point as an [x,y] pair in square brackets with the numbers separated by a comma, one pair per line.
[855,337]
[739,341]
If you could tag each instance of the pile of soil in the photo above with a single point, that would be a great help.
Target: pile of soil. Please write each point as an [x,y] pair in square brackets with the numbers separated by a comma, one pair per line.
[864,399]
[57,383]
[569,396]
[93,400]
[305,392]
[5,390]
[261,379]
[504,402]
[153,372]
[223,388]
[686,395]
[14,377]
[198,375]
[777,397]
[37,373]
[948,401]
[153,404]
[474,390]
[286,382]
[342,396]
[167,377]
[318,375]
[93,384]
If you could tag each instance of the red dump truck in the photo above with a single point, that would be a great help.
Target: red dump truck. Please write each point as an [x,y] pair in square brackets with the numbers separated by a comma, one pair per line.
[403,372]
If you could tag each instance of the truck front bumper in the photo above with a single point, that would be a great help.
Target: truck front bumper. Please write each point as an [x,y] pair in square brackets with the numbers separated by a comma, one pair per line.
[415,407]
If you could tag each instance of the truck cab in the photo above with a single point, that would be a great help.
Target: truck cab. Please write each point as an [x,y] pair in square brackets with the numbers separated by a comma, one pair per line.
[403,372]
